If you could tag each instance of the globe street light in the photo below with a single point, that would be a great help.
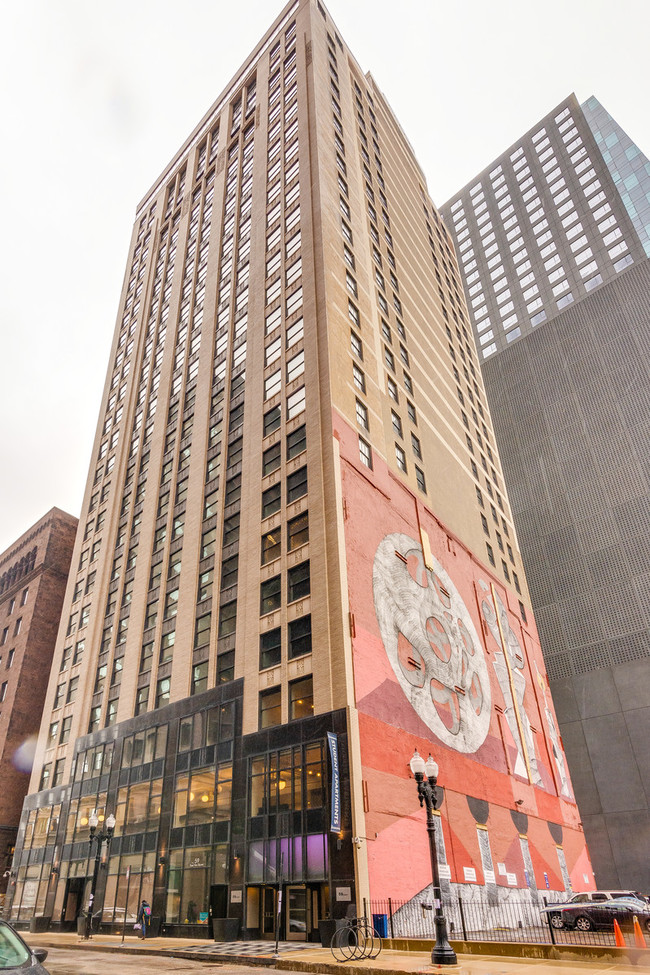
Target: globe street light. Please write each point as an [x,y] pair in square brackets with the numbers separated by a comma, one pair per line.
[442,952]
[104,836]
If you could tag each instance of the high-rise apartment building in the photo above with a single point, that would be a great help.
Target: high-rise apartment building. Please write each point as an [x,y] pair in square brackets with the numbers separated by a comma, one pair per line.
[33,579]
[286,519]
[552,240]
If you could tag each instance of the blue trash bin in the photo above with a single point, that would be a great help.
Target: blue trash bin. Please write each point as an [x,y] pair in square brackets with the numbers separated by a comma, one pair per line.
[380,924]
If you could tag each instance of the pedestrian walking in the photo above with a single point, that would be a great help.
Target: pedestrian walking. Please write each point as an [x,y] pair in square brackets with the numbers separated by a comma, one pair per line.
[144,919]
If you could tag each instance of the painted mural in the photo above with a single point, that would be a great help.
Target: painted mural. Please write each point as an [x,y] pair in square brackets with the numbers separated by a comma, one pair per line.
[431,643]
[445,661]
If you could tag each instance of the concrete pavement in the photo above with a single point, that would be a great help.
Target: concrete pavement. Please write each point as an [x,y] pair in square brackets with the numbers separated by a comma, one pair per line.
[409,959]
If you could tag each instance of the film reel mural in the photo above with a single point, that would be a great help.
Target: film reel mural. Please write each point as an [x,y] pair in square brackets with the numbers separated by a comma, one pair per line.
[431,642]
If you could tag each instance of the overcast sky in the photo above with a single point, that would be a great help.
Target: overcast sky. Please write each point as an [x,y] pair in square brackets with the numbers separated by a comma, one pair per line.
[96,98]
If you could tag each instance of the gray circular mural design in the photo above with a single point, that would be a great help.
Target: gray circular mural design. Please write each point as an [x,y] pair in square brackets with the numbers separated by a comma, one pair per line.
[431,643]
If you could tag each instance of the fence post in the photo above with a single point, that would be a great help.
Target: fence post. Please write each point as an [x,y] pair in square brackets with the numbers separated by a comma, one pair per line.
[462,918]
[365,910]
[550,928]
[390,915]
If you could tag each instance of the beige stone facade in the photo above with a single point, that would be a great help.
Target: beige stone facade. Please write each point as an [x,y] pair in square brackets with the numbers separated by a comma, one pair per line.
[290,290]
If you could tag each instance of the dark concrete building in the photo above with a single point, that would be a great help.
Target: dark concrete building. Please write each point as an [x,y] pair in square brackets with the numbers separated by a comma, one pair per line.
[33,577]
[552,253]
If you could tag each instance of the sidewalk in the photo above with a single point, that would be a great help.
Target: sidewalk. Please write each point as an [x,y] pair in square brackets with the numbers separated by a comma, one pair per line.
[299,957]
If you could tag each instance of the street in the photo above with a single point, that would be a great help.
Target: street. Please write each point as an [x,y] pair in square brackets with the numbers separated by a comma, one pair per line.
[65,961]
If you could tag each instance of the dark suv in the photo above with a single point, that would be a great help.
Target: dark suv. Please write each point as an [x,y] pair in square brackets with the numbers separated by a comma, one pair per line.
[553,912]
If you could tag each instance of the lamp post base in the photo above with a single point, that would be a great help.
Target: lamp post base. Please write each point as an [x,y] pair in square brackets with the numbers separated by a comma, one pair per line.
[442,952]
[443,955]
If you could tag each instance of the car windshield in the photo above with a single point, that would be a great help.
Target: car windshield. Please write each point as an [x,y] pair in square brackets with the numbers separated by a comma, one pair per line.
[635,902]
[12,950]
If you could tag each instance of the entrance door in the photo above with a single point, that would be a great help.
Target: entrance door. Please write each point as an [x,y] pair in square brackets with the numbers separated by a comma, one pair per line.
[73,902]
[268,912]
[298,903]
[219,900]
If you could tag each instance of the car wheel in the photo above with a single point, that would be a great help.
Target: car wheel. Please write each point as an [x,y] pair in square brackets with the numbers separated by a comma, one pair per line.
[584,923]
[647,924]
[556,921]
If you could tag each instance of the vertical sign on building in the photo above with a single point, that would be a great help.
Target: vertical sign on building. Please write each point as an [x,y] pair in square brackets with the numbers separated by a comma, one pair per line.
[335,818]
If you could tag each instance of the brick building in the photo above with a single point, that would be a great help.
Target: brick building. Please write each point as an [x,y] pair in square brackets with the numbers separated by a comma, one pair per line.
[33,578]
[285,522]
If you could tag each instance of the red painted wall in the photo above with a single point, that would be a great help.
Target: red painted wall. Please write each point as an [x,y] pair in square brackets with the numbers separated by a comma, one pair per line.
[402,620]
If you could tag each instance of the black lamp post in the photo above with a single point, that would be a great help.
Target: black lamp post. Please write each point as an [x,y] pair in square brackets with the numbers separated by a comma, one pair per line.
[104,836]
[442,952]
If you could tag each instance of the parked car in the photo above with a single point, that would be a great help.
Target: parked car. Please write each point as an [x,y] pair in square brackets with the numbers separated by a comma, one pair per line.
[600,915]
[554,911]
[16,957]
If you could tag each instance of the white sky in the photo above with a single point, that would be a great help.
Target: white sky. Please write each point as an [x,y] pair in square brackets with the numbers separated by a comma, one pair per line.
[96,98]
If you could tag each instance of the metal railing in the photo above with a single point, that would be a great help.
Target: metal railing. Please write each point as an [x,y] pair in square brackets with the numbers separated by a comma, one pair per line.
[513,919]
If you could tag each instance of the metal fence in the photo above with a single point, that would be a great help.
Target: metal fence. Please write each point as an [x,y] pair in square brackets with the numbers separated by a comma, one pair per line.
[515,919]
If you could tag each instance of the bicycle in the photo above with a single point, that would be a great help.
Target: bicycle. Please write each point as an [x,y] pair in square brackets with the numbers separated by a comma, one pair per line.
[356,939]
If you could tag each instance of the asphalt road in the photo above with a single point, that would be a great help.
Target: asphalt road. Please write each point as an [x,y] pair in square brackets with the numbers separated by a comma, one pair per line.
[62,961]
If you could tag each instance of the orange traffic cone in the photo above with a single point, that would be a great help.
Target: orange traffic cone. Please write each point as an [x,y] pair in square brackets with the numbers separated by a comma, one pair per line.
[618,935]
[639,940]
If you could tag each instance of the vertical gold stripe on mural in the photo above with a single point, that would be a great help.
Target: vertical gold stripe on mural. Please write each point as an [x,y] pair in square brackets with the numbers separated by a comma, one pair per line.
[515,703]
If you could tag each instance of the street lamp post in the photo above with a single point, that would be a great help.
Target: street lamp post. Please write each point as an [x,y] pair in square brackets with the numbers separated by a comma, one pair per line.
[99,838]
[442,952]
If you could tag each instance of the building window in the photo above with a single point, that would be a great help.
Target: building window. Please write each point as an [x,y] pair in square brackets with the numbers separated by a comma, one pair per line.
[141,700]
[271,500]
[72,690]
[271,545]
[298,582]
[297,485]
[225,667]
[163,690]
[490,553]
[400,457]
[362,414]
[295,403]
[270,707]
[270,595]
[200,677]
[45,776]
[271,459]
[359,378]
[420,479]
[66,726]
[365,453]
[299,637]
[59,768]
[202,630]
[297,531]
[272,420]
[270,648]
[227,618]
[397,423]
[301,698]
[296,442]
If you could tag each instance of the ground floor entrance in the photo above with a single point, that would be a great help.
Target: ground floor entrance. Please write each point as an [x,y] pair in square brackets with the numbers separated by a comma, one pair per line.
[291,912]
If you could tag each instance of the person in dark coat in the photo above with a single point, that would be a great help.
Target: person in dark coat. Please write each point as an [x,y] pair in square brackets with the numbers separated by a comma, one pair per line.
[144,917]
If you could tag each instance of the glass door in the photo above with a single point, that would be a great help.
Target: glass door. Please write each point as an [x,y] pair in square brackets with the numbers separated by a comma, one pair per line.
[297,913]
